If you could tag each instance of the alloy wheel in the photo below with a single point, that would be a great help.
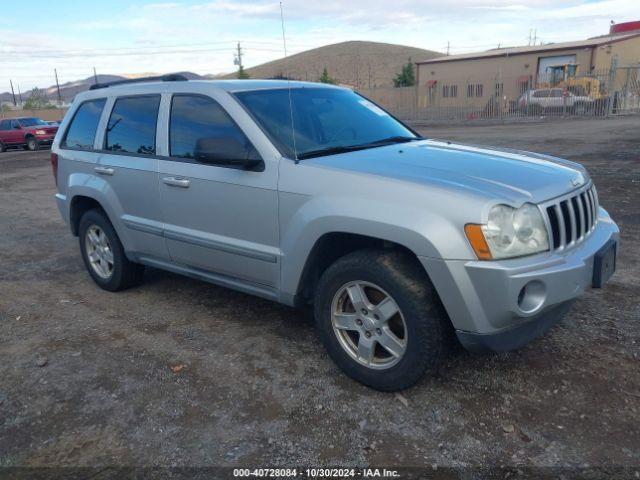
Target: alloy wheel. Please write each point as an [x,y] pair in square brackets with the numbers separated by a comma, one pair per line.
[99,251]
[369,325]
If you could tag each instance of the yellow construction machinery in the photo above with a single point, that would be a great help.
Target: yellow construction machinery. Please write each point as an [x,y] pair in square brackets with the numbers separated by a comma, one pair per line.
[566,76]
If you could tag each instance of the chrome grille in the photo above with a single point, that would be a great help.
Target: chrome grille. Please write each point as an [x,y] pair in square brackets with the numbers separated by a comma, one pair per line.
[570,219]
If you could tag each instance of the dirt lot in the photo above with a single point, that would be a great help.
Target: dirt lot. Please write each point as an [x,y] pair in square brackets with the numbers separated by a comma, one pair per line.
[85,375]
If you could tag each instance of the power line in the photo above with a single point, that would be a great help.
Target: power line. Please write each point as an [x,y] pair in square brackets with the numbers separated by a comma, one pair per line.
[135,50]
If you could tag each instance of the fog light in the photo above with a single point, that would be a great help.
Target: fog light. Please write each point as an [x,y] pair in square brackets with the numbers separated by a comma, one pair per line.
[532,296]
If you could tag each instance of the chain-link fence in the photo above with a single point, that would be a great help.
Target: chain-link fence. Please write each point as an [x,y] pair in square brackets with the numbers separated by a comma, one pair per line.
[559,93]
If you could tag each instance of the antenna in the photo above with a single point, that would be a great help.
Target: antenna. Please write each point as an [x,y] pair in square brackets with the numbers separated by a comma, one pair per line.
[293,128]
[58,87]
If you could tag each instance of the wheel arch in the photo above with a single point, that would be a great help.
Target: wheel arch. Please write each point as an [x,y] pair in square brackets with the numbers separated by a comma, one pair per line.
[79,205]
[330,247]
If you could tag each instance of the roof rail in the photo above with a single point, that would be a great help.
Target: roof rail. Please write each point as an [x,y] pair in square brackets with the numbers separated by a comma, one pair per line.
[172,77]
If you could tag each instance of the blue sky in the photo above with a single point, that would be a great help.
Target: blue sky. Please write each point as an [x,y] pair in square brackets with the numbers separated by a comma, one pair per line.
[158,36]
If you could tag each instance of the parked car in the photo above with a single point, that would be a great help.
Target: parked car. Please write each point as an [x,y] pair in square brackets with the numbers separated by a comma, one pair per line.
[536,102]
[28,132]
[310,194]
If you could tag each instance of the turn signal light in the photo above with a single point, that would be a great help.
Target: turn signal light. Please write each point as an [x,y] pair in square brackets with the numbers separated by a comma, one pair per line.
[477,241]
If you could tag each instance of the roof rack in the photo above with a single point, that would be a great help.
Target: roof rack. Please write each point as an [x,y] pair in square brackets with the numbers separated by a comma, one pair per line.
[172,77]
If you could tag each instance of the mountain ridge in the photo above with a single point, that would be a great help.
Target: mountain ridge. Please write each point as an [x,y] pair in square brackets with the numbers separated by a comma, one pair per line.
[357,63]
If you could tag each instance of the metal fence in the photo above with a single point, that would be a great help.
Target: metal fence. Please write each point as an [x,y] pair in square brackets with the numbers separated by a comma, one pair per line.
[598,94]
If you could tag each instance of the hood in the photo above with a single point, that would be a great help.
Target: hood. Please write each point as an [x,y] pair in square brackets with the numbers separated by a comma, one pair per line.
[46,128]
[507,174]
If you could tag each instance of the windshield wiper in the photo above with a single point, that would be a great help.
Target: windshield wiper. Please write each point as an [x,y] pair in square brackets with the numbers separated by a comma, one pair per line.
[352,148]
[392,140]
[331,151]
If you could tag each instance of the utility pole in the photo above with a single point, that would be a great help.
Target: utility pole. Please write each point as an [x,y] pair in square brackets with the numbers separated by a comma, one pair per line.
[238,59]
[95,76]
[535,37]
[19,94]
[448,45]
[58,87]
[13,94]
[530,31]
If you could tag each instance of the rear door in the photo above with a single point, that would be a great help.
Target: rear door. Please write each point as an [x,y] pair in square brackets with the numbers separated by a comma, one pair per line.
[15,134]
[217,218]
[128,163]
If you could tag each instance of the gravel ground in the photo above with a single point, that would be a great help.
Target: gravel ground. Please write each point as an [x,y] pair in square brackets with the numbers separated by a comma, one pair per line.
[87,379]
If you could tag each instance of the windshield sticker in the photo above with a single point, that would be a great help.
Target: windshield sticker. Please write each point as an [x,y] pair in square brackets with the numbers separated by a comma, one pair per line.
[374,108]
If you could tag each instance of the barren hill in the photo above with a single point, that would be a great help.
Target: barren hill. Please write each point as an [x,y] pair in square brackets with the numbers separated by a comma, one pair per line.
[356,63]
[69,90]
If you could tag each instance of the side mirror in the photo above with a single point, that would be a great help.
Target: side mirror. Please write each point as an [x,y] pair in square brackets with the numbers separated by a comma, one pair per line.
[17,127]
[228,151]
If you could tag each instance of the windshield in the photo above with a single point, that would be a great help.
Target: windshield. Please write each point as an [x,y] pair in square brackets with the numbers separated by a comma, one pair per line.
[31,122]
[325,120]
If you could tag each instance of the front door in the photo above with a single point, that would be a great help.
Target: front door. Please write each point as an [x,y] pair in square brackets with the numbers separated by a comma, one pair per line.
[221,219]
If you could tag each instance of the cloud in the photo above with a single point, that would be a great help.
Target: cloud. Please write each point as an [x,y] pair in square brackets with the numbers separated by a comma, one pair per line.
[211,29]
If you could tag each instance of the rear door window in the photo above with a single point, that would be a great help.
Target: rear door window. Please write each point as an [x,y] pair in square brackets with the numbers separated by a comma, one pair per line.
[132,125]
[5,125]
[196,117]
[82,131]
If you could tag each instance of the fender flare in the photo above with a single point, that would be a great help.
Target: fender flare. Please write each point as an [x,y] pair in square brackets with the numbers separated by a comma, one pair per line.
[95,188]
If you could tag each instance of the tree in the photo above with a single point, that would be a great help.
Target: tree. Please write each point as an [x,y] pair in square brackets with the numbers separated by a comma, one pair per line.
[406,77]
[242,73]
[325,78]
[37,100]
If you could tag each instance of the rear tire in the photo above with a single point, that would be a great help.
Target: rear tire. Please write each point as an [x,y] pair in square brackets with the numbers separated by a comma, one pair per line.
[32,144]
[2,147]
[104,255]
[421,328]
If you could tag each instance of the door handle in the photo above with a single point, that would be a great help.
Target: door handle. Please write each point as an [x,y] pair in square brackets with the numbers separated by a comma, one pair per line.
[104,170]
[176,182]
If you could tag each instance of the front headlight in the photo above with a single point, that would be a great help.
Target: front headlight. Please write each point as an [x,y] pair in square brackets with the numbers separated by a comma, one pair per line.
[40,132]
[513,232]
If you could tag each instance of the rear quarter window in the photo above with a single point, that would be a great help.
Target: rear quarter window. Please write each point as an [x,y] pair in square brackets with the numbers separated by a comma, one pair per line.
[82,131]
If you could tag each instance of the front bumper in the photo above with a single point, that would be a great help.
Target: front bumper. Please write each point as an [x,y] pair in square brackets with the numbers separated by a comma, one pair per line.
[45,139]
[484,299]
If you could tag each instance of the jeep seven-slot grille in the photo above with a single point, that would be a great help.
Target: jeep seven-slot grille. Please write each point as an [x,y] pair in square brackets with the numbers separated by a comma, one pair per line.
[572,218]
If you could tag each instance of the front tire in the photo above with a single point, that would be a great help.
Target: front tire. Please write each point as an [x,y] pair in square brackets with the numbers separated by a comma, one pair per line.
[104,255]
[32,144]
[380,319]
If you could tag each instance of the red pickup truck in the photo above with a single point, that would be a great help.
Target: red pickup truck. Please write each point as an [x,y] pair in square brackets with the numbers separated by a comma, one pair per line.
[27,132]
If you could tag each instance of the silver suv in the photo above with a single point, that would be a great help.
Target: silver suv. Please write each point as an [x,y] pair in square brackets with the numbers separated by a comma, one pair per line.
[310,194]
[547,100]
